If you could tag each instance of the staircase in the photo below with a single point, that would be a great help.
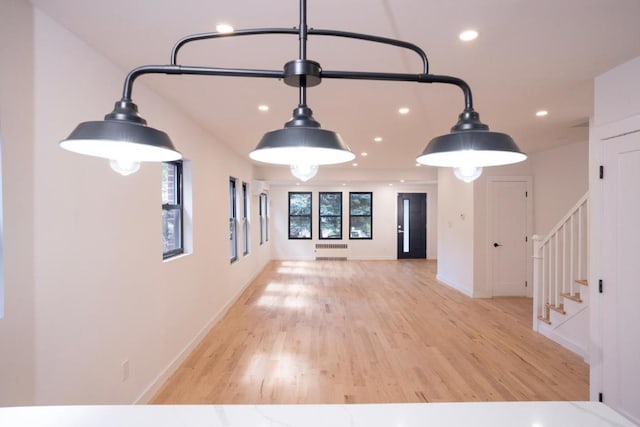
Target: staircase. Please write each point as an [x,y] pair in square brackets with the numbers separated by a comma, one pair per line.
[560,288]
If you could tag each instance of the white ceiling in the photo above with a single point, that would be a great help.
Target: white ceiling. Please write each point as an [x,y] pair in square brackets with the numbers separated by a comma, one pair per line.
[530,55]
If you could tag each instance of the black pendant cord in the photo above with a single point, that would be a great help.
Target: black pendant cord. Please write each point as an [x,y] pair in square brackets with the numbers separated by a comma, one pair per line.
[302,42]
[302,30]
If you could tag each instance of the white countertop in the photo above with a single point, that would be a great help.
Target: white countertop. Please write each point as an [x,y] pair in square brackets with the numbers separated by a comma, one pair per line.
[495,414]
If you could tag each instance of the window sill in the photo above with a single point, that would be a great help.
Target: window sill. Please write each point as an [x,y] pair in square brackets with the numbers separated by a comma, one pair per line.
[176,257]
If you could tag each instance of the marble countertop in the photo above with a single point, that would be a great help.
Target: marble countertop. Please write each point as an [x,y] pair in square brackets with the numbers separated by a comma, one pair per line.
[495,414]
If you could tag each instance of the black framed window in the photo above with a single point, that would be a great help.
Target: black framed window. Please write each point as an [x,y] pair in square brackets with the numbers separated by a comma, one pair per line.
[330,215]
[360,215]
[245,218]
[172,210]
[233,232]
[300,215]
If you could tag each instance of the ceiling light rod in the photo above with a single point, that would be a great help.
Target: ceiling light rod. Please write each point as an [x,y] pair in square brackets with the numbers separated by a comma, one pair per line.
[176,69]
[124,134]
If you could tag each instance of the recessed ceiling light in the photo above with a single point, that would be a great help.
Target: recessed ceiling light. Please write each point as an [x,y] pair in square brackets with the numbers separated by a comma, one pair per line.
[390,185]
[418,164]
[402,180]
[378,139]
[263,107]
[363,154]
[344,184]
[403,110]
[355,164]
[224,28]
[468,35]
[541,113]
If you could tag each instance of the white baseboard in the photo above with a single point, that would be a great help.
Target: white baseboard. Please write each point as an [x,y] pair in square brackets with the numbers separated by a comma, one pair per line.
[548,332]
[159,381]
[482,294]
[453,285]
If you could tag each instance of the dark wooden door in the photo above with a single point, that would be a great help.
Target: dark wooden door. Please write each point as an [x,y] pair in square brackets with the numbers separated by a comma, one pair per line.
[412,225]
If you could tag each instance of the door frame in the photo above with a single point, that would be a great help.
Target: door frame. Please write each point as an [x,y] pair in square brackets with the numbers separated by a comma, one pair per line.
[529,230]
[426,222]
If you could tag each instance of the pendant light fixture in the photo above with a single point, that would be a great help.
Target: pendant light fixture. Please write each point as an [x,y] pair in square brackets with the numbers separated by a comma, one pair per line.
[302,144]
[469,147]
[122,136]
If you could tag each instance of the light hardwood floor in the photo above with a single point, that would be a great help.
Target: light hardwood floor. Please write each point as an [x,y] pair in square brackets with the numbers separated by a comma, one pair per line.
[372,331]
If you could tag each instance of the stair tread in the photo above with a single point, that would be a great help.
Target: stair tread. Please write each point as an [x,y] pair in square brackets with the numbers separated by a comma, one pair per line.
[559,308]
[544,319]
[575,297]
[583,282]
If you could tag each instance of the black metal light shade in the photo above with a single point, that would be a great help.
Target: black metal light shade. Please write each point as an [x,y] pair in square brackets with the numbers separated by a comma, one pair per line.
[302,141]
[123,134]
[471,143]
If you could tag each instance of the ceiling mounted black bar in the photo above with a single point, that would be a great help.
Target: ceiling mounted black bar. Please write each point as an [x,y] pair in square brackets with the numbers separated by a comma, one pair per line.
[175,68]
[277,74]
[311,31]
[195,71]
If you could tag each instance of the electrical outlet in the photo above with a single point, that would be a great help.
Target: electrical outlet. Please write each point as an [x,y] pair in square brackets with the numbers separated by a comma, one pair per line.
[125,370]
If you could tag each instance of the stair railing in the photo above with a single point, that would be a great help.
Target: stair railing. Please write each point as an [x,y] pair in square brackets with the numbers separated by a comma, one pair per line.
[559,259]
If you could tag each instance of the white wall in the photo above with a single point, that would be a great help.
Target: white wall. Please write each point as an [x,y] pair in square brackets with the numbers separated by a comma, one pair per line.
[561,179]
[384,242]
[103,295]
[329,175]
[616,93]
[455,231]
[17,327]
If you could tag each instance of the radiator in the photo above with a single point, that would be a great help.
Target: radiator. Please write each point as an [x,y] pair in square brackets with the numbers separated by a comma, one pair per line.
[332,251]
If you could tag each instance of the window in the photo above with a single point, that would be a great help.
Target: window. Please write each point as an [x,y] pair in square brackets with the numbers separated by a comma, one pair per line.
[232,220]
[360,211]
[245,219]
[264,218]
[299,215]
[172,210]
[330,215]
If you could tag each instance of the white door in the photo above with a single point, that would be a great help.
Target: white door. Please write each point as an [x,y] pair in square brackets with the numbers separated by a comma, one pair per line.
[508,238]
[621,275]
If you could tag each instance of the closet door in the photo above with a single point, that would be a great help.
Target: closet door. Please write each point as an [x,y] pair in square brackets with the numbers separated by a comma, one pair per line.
[621,275]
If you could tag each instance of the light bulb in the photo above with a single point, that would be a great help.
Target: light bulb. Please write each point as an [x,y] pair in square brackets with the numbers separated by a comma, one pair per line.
[304,172]
[124,167]
[467,173]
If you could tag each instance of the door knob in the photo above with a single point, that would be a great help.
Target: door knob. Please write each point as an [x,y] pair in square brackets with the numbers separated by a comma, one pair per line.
[495,245]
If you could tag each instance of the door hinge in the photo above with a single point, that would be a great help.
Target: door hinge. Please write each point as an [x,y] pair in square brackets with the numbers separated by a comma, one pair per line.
[600,397]
[526,238]
[600,285]
[601,172]
[526,284]
[526,194]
